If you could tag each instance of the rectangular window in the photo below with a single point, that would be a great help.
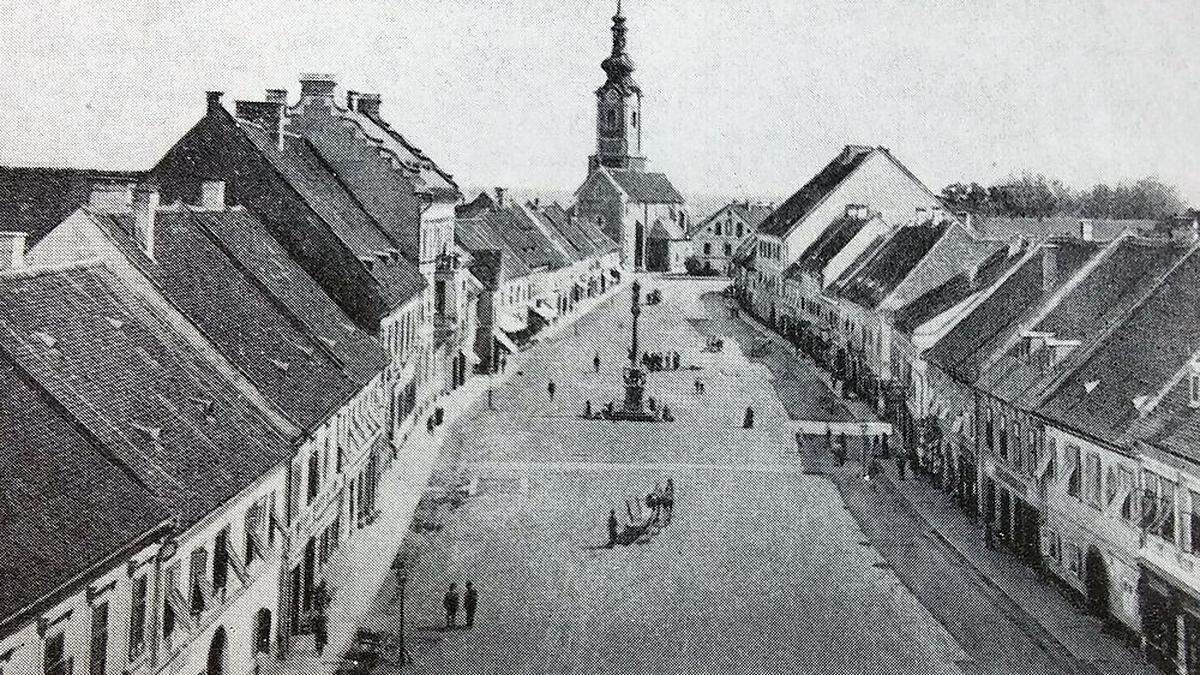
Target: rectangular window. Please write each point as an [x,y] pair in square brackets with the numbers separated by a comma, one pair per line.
[313,476]
[1092,472]
[137,618]
[220,572]
[707,248]
[98,659]
[1127,487]
[272,521]
[55,656]
[198,582]
[173,600]
[1071,457]
[1194,522]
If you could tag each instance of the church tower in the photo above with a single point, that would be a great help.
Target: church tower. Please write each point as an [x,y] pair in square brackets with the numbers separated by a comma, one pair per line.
[618,109]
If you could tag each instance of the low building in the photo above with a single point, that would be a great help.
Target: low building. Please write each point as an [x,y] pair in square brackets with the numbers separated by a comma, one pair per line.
[717,237]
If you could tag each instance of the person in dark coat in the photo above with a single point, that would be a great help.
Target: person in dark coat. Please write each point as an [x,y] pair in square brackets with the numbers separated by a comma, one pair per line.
[587,409]
[470,601]
[900,466]
[320,632]
[675,361]
[612,528]
[450,602]
[550,389]
[748,421]
[596,362]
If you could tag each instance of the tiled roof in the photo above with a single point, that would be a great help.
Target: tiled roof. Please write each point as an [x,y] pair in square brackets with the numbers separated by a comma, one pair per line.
[975,339]
[270,344]
[953,291]
[247,242]
[524,237]
[36,200]
[886,264]
[956,250]
[584,238]
[646,188]
[753,213]
[64,506]
[303,168]
[436,180]
[1137,358]
[805,199]
[474,207]
[474,235]
[1034,229]
[156,405]
[828,244]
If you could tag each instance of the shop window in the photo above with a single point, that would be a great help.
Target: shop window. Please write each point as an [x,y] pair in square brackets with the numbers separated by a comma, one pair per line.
[1075,560]
[1194,523]
[1093,474]
[137,617]
[98,657]
[1071,458]
[220,572]
[56,662]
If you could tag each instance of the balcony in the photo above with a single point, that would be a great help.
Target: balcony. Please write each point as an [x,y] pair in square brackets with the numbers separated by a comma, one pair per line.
[446,263]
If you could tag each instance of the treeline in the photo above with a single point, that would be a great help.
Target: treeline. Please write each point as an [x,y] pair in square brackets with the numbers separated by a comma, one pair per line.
[1035,195]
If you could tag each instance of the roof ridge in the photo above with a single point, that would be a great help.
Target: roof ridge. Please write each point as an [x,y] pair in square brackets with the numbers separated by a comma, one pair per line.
[1106,332]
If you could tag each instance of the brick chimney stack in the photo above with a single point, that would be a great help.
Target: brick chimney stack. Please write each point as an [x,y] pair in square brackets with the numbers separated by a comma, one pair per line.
[213,100]
[12,250]
[368,104]
[317,85]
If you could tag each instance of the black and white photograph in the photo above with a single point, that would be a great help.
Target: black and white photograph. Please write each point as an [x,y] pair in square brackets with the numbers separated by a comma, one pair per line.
[599,337]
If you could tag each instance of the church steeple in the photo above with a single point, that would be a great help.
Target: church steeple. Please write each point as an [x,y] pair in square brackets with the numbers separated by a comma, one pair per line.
[618,108]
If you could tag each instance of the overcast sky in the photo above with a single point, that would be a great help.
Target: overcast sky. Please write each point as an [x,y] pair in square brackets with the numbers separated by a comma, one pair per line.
[741,96]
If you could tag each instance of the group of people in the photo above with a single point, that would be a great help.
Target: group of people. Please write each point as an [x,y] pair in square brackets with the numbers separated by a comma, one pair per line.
[661,506]
[698,387]
[470,600]
[656,361]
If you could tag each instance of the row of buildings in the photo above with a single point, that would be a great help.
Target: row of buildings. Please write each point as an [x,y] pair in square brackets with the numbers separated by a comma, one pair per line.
[210,364]
[1044,372]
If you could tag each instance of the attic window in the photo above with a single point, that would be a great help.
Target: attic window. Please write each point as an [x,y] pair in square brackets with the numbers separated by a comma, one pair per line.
[151,433]
[45,339]
[1089,386]
[281,365]
[206,405]
[114,322]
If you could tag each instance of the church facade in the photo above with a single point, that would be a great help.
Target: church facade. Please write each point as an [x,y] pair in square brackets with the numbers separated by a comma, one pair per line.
[641,210]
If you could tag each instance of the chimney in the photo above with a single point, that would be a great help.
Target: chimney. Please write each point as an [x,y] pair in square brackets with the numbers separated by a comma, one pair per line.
[1087,231]
[277,96]
[110,197]
[852,210]
[920,217]
[351,100]
[499,197]
[12,250]
[145,208]
[965,217]
[973,276]
[213,100]
[266,114]
[1049,267]
[936,216]
[317,85]
[368,104]
[212,195]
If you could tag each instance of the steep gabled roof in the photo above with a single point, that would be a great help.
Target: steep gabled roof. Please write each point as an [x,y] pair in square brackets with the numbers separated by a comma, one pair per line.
[585,241]
[293,367]
[646,188]
[800,204]
[161,410]
[303,168]
[827,245]
[885,264]
[524,237]
[957,289]
[65,505]
[475,235]
[1137,358]
[434,179]
[35,200]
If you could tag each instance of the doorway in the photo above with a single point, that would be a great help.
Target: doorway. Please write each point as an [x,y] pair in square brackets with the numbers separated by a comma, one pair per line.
[216,654]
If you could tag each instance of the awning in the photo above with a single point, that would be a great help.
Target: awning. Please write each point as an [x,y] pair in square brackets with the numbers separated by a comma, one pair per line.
[505,341]
[544,313]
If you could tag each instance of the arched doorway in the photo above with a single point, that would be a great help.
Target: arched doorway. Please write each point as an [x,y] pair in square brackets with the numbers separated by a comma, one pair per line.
[1097,583]
[262,632]
[216,654]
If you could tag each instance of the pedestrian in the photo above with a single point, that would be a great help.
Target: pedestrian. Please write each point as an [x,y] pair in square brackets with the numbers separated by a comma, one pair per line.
[828,437]
[675,361]
[843,443]
[550,390]
[612,528]
[900,466]
[596,362]
[450,602]
[470,601]
[987,532]
[701,387]
[669,499]
[429,425]
[666,415]
[696,387]
[587,409]
[886,450]
[650,401]
[748,420]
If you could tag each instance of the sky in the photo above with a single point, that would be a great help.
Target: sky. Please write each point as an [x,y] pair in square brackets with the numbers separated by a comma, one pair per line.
[741,97]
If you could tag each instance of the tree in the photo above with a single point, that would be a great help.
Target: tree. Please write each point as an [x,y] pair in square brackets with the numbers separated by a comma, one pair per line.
[1036,196]
[693,265]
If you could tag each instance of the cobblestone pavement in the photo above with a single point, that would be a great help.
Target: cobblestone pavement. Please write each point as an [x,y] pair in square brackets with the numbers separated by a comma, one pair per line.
[762,569]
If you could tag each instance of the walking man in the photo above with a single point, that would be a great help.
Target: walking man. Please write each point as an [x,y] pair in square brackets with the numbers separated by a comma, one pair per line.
[596,362]
[748,421]
[470,600]
[450,602]
[612,528]
[900,466]
[550,390]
